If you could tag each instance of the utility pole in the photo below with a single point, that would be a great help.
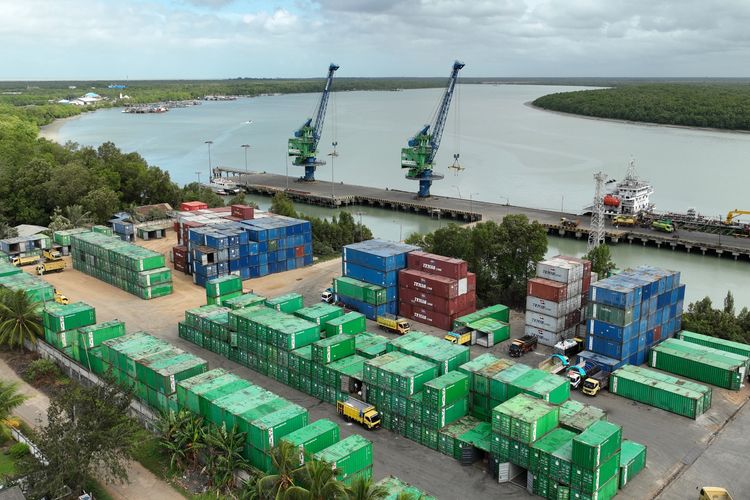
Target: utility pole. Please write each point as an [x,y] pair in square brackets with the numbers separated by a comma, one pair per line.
[333,189]
[198,173]
[596,234]
[210,172]
[246,147]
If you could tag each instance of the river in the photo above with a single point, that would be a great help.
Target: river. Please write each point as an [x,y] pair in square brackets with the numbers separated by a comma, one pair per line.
[511,153]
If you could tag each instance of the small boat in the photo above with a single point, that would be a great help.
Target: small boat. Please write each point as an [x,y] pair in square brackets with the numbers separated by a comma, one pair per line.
[224,187]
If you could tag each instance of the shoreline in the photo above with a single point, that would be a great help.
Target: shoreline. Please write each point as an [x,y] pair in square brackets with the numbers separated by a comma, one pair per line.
[51,130]
[531,105]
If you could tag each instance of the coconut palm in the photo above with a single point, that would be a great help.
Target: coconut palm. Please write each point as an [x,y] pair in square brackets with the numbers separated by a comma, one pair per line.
[318,479]
[362,488]
[182,437]
[10,399]
[225,456]
[19,319]
[77,216]
[285,460]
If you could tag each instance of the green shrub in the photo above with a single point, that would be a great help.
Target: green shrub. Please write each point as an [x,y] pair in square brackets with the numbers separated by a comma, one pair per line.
[18,450]
[41,369]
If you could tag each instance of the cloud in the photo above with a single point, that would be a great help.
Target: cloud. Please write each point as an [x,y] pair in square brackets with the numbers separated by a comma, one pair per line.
[210,3]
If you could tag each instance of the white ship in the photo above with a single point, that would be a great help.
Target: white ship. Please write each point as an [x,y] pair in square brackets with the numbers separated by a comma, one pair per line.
[630,196]
[223,187]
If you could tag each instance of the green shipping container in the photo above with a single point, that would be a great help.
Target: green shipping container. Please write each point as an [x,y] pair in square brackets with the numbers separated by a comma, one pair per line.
[543,449]
[320,313]
[473,366]
[58,317]
[666,396]
[350,323]
[439,418]
[7,269]
[396,489]
[596,444]
[223,285]
[63,237]
[721,344]
[93,335]
[609,314]
[266,431]
[606,492]
[445,389]
[632,461]
[500,383]
[287,303]
[222,299]
[702,363]
[244,300]
[370,345]
[313,438]
[496,330]
[446,355]
[348,456]
[332,349]
[408,375]
[164,374]
[524,418]
[360,290]
[577,417]
[479,437]
[154,277]
[671,379]
[448,437]
[498,312]
[591,480]
[542,385]
[561,465]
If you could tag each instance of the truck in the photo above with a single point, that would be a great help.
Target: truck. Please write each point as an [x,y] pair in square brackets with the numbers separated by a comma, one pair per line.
[52,255]
[60,298]
[354,410]
[568,223]
[19,261]
[554,364]
[578,373]
[327,296]
[594,384]
[623,220]
[50,266]
[663,225]
[714,493]
[460,336]
[570,347]
[393,324]
[521,346]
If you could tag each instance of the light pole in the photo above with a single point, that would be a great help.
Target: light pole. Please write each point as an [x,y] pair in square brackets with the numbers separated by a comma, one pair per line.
[333,155]
[208,143]
[198,173]
[471,203]
[287,172]
[246,147]
[400,230]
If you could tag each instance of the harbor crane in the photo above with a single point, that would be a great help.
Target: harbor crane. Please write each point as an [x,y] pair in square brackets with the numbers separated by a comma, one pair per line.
[304,145]
[418,157]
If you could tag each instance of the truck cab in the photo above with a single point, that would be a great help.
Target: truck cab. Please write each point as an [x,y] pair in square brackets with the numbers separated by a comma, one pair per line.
[394,324]
[461,336]
[327,296]
[592,385]
[714,493]
[354,410]
[521,346]
[577,374]
[52,255]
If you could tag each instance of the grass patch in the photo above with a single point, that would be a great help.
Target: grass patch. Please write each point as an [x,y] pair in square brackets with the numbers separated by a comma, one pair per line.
[97,490]
[150,455]
[7,465]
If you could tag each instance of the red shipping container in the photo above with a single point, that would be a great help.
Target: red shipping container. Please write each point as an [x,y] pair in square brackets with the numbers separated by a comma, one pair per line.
[431,263]
[425,316]
[435,303]
[176,226]
[428,283]
[657,334]
[191,206]
[547,289]
[299,251]
[179,252]
[471,280]
[181,267]
[220,210]
[243,212]
[586,282]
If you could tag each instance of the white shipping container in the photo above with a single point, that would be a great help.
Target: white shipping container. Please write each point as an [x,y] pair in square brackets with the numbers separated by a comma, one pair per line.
[545,337]
[507,471]
[560,270]
[554,309]
[463,286]
[546,322]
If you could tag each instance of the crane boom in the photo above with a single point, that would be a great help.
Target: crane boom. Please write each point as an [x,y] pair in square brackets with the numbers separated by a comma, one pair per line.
[418,157]
[304,145]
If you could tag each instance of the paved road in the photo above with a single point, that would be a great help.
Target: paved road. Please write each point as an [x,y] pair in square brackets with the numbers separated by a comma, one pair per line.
[489,211]
[142,483]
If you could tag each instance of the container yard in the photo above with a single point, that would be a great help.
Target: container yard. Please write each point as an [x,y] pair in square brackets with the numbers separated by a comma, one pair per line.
[454,431]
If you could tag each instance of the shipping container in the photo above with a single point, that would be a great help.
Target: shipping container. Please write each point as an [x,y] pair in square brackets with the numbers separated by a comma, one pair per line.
[437,418]
[559,270]
[446,355]
[606,492]
[540,384]
[671,379]
[436,303]
[333,348]
[445,389]
[395,489]
[287,303]
[223,285]
[740,348]
[320,313]
[58,317]
[589,481]
[378,254]
[490,331]
[370,345]
[653,392]
[350,323]
[93,336]
[543,449]
[632,461]
[524,418]
[348,456]
[439,286]
[244,300]
[699,362]
[437,264]
[500,383]
[577,417]
[552,308]
[360,290]
[596,444]
[548,289]
[497,311]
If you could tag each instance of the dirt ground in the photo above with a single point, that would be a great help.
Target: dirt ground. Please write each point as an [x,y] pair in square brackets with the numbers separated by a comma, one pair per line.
[674,442]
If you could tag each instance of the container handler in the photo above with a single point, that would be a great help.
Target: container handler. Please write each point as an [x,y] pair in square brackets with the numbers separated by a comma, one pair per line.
[592,385]
[555,364]
[354,410]
[394,324]
[521,346]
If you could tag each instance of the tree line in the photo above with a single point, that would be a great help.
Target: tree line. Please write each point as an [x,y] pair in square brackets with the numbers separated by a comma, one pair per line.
[723,106]
[723,322]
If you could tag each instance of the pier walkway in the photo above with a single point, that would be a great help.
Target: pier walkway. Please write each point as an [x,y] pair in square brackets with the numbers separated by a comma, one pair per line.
[324,193]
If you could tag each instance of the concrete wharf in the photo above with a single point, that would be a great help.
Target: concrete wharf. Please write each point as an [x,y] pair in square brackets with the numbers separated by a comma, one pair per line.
[334,195]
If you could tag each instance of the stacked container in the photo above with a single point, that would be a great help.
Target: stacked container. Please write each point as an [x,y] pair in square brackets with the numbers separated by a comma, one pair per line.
[320,313]
[134,269]
[313,438]
[208,327]
[394,384]
[446,355]
[62,238]
[370,345]
[350,323]
[89,338]
[287,303]
[372,298]
[436,290]
[444,400]
[715,342]
[577,417]
[375,262]
[498,312]
[632,461]
[396,488]
[699,362]
[150,366]
[25,246]
[629,313]
[244,300]
[122,228]
[554,298]
[596,462]
[61,324]
[35,288]
[351,457]
[219,290]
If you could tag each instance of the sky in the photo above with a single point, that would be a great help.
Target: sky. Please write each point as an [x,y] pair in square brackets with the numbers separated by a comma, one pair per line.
[171,39]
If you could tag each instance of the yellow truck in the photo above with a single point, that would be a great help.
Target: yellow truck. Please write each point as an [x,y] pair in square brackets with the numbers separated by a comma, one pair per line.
[393,324]
[623,220]
[714,493]
[460,336]
[52,255]
[354,410]
[50,266]
[60,298]
[19,261]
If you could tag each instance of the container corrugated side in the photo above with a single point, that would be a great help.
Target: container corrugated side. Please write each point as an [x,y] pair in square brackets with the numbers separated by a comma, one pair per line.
[717,343]
[719,368]
[596,444]
[656,393]
[632,460]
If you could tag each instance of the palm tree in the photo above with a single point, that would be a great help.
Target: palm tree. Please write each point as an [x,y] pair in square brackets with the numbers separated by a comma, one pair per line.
[10,399]
[77,216]
[7,231]
[285,461]
[182,437]
[19,319]
[225,456]
[362,488]
[319,480]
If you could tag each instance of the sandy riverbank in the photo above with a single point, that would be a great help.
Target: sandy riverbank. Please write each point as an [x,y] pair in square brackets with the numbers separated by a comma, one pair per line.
[51,130]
